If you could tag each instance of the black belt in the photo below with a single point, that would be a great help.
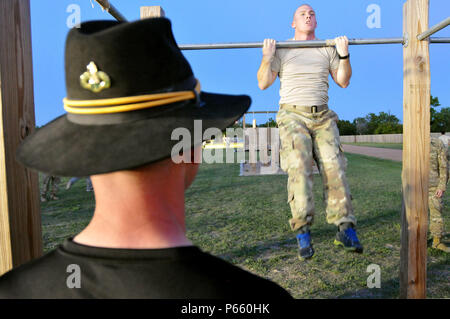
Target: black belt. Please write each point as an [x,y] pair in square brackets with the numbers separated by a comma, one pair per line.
[308,109]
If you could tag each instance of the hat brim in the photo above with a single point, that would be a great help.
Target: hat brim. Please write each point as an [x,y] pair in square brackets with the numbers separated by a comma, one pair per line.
[64,148]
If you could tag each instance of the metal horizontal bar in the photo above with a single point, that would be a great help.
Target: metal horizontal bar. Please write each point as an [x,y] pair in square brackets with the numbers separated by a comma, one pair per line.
[261,112]
[439,40]
[111,10]
[434,29]
[287,44]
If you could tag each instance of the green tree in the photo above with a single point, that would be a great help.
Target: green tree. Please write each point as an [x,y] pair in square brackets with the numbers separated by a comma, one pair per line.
[346,127]
[361,125]
[383,122]
[389,128]
[439,120]
[270,123]
[434,103]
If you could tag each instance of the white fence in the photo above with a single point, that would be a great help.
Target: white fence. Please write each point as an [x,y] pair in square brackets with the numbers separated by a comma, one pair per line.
[378,138]
[263,145]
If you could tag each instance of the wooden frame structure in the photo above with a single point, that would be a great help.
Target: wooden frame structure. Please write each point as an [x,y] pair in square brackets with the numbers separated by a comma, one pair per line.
[20,230]
[416,151]
[20,220]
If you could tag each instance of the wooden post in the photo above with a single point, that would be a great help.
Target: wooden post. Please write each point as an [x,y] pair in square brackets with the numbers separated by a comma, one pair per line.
[416,151]
[152,12]
[20,220]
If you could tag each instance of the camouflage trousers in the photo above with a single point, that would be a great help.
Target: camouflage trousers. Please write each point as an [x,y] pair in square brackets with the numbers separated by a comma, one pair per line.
[435,206]
[448,163]
[306,137]
[50,182]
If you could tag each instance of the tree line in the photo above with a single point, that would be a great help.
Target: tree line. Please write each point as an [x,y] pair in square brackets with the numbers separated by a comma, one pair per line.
[381,123]
[385,123]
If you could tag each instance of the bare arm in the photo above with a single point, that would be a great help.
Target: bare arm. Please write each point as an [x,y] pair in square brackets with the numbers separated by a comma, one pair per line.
[343,73]
[265,75]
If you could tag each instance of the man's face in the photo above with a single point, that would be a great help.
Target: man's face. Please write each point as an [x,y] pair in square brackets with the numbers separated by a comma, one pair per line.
[304,19]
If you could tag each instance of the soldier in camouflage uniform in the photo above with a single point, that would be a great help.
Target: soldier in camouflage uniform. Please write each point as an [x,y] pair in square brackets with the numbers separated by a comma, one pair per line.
[446,140]
[308,129]
[49,188]
[437,186]
[298,147]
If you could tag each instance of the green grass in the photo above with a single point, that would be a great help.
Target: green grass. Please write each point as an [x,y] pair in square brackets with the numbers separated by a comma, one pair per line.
[397,146]
[68,215]
[244,220]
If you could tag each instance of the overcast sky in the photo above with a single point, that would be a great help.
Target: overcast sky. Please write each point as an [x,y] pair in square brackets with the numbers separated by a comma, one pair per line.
[376,84]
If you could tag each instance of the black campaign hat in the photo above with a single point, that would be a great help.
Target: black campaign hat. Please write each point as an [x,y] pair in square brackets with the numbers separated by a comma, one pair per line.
[128,88]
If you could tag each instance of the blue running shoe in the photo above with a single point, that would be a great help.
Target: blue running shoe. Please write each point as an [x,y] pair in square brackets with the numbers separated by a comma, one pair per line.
[306,250]
[348,239]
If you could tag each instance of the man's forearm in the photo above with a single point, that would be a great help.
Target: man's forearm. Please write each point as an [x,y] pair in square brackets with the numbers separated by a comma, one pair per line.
[264,74]
[344,73]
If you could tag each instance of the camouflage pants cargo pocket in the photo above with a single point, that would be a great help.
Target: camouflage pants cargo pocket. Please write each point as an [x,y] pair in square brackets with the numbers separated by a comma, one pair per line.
[304,138]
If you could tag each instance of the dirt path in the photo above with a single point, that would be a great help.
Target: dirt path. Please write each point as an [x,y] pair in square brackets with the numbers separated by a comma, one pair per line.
[385,153]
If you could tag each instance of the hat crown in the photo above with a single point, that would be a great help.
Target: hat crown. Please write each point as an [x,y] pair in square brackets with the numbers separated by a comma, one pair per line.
[139,58]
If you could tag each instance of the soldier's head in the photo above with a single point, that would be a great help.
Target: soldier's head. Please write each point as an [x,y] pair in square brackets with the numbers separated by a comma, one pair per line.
[129,101]
[304,20]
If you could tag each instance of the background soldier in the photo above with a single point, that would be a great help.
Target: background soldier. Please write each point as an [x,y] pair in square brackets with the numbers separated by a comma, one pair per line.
[49,188]
[446,140]
[437,187]
[308,129]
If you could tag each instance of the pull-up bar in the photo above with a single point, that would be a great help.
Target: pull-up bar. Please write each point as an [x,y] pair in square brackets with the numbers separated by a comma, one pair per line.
[287,44]
[300,44]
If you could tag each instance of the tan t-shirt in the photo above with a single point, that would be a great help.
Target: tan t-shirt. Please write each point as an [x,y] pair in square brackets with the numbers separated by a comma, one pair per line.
[304,73]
